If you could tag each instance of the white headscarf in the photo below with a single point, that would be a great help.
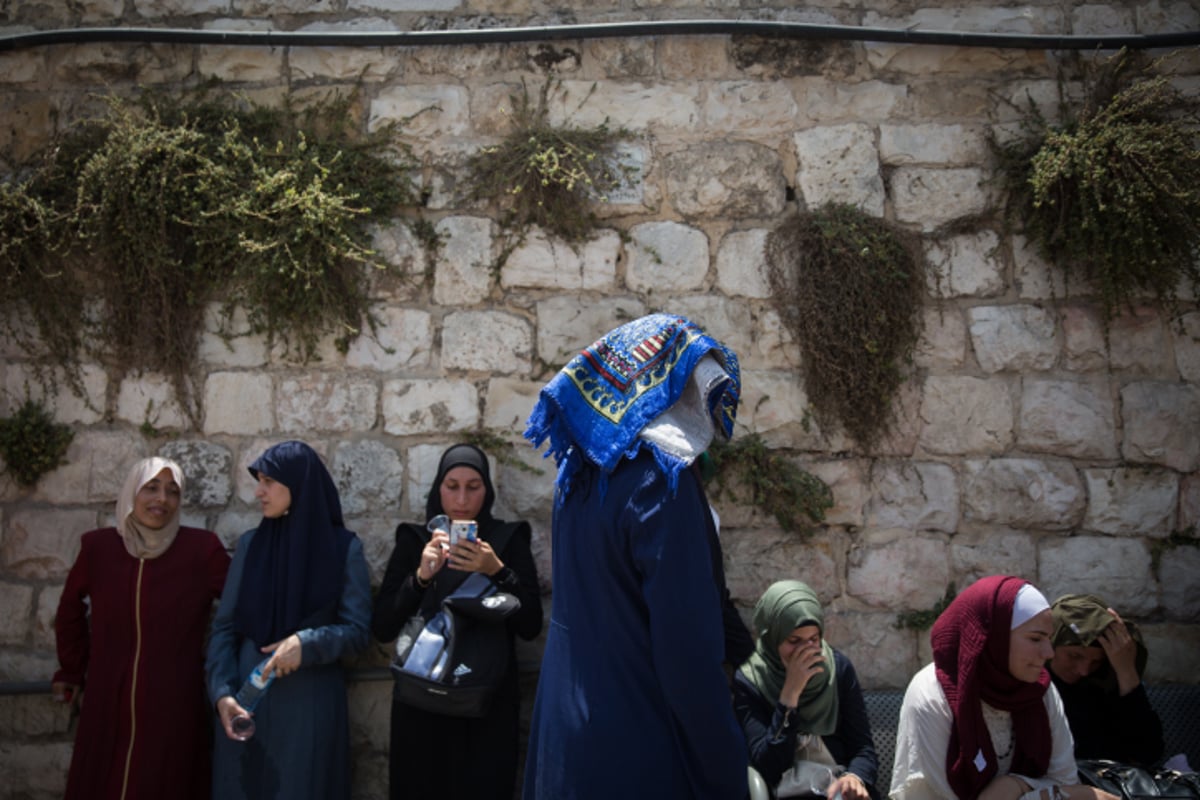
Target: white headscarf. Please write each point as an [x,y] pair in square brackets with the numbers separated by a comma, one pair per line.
[142,541]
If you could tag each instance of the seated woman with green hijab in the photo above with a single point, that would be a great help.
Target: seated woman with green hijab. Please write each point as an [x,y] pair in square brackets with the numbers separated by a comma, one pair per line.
[800,704]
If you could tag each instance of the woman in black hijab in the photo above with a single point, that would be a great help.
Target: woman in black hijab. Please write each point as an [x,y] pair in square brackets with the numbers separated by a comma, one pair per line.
[434,755]
[298,597]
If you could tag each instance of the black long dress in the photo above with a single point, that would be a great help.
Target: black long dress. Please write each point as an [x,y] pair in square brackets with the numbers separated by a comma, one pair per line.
[433,755]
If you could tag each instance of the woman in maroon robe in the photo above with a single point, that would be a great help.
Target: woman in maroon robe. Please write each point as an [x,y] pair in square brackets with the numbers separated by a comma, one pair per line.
[130,629]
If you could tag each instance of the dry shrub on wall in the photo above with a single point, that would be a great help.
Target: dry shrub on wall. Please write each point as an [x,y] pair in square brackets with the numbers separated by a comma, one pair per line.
[161,207]
[1112,195]
[850,288]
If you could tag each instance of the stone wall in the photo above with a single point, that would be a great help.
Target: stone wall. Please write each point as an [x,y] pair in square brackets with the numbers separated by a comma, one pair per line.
[1025,445]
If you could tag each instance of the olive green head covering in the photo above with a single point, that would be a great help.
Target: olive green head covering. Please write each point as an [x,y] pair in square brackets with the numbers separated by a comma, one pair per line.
[1079,619]
[785,606]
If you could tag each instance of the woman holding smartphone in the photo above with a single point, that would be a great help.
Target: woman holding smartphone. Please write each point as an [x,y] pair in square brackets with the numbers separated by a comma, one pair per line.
[424,568]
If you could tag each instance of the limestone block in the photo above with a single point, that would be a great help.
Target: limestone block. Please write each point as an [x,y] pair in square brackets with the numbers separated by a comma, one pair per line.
[943,342]
[847,481]
[1179,571]
[403,340]
[245,349]
[883,655]
[238,402]
[397,247]
[965,266]
[1189,501]
[756,558]
[773,405]
[1174,652]
[378,535]
[725,179]
[901,437]
[840,164]
[341,63]
[1117,568]
[369,476]
[1033,274]
[206,471]
[932,197]
[727,320]
[402,5]
[112,63]
[826,101]
[41,544]
[750,108]
[20,67]
[627,58]
[546,263]
[961,414]
[96,465]
[152,9]
[771,344]
[638,106]
[467,61]
[931,143]
[1014,338]
[525,483]
[429,406]
[241,64]
[1186,338]
[23,717]
[691,58]
[1083,339]
[43,621]
[507,405]
[266,8]
[24,665]
[39,768]
[666,257]
[15,623]
[1024,493]
[1138,344]
[149,399]
[425,112]
[991,550]
[1099,20]
[21,383]
[896,570]
[1131,502]
[1068,418]
[1159,421]
[742,264]
[913,496]
[326,402]
[491,341]
[463,273]
[566,324]
[1167,17]
[231,525]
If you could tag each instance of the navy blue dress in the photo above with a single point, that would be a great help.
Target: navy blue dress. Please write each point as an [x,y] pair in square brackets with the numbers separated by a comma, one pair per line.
[632,700]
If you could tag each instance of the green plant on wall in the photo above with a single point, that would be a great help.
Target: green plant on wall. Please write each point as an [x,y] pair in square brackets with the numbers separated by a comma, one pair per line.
[546,174]
[1111,196]
[749,472]
[850,288]
[159,208]
[32,443]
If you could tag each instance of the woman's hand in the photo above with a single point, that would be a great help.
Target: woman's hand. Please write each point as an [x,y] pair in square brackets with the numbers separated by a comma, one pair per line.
[227,710]
[434,556]
[849,786]
[285,657]
[1121,650]
[477,556]
[65,692]
[805,662]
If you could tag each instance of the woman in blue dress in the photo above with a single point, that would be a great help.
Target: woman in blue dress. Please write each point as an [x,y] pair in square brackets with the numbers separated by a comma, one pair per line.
[298,596]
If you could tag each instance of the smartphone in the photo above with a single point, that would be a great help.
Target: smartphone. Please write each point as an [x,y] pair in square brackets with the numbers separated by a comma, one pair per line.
[463,529]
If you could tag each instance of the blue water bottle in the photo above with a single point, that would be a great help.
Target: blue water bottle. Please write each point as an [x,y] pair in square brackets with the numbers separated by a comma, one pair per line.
[249,696]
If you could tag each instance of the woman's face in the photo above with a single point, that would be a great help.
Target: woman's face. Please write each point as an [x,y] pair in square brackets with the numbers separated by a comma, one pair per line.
[1029,647]
[274,497]
[804,635]
[462,493]
[1074,662]
[157,502]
